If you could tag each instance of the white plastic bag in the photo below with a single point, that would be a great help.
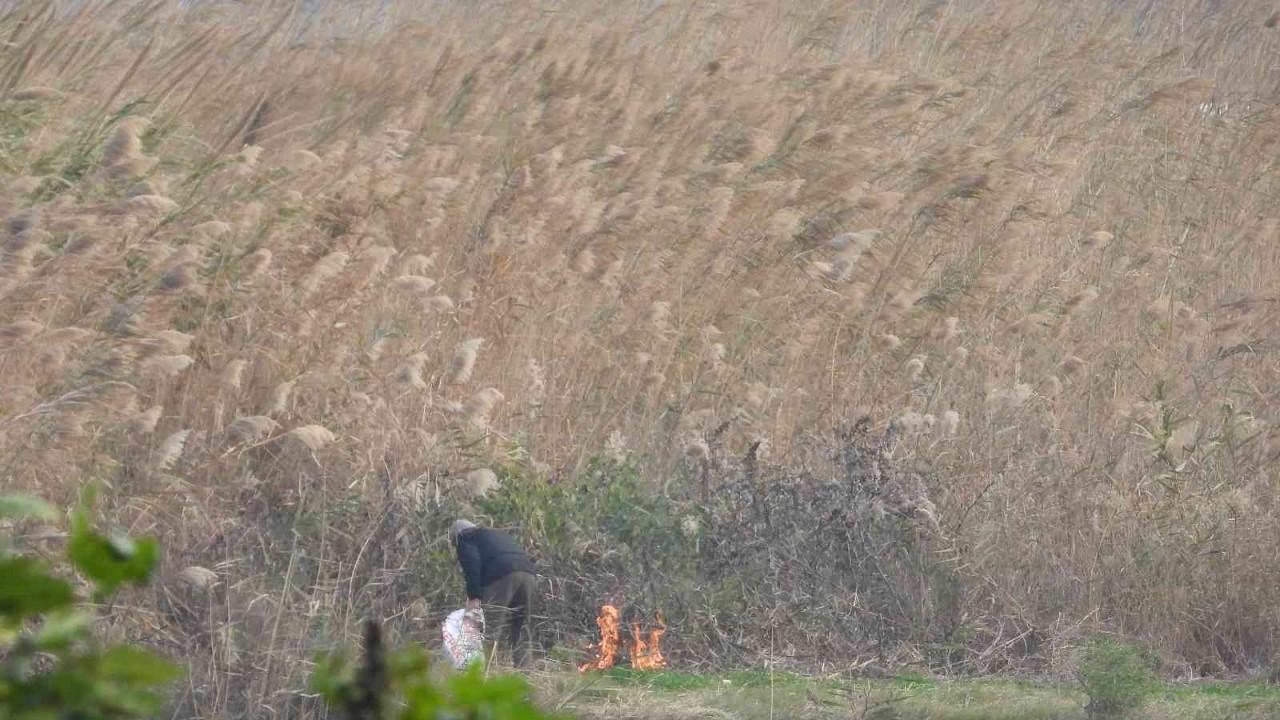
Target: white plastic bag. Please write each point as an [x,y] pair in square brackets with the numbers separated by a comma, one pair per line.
[464,637]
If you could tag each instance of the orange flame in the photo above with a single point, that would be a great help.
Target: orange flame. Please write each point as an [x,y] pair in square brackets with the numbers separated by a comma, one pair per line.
[648,656]
[645,655]
[607,650]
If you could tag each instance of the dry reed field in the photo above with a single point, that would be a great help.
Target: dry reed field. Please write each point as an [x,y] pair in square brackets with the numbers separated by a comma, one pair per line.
[294,284]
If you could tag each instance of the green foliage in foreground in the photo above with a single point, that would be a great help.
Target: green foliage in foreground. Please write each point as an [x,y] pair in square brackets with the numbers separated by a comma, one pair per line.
[52,666]
[398,685]
[1117,678]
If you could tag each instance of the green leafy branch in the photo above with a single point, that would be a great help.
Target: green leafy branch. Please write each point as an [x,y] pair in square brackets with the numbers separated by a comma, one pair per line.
[51,666]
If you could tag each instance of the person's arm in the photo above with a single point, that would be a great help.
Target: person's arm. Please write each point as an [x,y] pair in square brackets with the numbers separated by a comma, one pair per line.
[472,569]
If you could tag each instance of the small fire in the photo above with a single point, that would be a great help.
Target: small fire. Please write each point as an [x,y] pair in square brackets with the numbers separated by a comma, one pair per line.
[607,651]
[645,655]
[648,656]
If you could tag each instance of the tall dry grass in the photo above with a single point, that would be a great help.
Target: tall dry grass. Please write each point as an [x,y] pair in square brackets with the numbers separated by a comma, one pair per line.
[265,262]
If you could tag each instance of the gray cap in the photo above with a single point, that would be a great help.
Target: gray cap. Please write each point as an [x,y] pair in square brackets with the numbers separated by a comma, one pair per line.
[458,528]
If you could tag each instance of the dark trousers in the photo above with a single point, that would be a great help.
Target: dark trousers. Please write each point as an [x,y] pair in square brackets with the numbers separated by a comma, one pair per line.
[507,605]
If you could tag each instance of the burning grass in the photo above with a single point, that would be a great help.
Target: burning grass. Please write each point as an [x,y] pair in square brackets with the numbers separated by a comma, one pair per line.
[644,652]
[606,649]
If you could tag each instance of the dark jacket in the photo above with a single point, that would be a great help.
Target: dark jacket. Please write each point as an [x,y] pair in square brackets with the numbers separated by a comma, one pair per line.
[487,555]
